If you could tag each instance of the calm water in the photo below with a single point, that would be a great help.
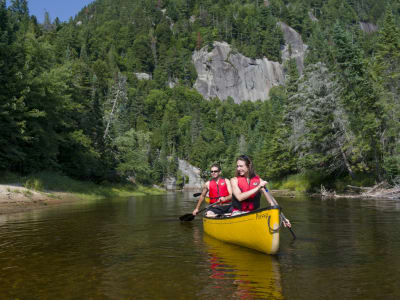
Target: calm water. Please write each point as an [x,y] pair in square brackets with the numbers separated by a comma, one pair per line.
[135,248]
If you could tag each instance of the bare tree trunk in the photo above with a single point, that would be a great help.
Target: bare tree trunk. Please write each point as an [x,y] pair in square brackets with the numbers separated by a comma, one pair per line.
[346,162]
[119,92]
[153,47]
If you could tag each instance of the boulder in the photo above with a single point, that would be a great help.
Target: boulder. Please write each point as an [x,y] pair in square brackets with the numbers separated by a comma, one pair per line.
[170,183]
[143,76]
[368,27]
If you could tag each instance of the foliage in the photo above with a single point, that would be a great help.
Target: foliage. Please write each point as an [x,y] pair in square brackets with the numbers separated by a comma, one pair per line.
[71,100]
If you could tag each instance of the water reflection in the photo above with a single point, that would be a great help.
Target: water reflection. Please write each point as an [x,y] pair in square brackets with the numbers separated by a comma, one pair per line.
[136,248]
[255,275]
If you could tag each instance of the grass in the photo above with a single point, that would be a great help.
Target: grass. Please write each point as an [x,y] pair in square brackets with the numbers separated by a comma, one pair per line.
[301,183]
[54,182]
[310,182]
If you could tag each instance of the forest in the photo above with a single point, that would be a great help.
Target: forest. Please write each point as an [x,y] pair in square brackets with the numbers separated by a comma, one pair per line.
[70,101]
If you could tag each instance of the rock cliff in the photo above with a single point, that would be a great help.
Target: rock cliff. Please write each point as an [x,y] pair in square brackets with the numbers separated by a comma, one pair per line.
[192,173]
[224,73]
[294,46]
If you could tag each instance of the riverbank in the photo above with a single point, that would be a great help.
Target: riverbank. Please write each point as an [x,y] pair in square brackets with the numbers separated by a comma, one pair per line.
[15,198]
[381,190]
[46,189]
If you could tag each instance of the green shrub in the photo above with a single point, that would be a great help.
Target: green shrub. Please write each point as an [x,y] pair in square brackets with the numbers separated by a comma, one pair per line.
[303,182]
[34,184]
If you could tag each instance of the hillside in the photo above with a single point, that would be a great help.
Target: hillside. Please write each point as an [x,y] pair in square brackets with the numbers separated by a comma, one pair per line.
[74,99]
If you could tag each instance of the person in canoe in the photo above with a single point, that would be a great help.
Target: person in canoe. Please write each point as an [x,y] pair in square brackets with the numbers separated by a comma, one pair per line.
[247,187]
[219,190]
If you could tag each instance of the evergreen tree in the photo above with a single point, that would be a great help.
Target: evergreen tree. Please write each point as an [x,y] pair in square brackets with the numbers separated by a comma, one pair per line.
[12,100]
[385,70]
[360,101]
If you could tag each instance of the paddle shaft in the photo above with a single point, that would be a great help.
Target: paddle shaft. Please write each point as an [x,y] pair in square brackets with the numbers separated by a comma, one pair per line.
[207,207]
[282,215]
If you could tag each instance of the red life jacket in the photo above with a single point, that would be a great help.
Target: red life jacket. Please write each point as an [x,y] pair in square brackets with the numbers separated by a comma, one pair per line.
[218,190]
[251,203]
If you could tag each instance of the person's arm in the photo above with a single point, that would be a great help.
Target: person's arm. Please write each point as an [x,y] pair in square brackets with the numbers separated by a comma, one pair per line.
[269,198]
[241,196]
[228,186]
[273,202]
[202,196]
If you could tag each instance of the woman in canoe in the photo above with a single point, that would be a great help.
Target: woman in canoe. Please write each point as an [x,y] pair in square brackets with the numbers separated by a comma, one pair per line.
[247,187]
[219,190]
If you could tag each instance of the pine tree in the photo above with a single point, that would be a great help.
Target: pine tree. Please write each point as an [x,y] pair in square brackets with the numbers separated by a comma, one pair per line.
[12,101]
[385,70]
[360,101]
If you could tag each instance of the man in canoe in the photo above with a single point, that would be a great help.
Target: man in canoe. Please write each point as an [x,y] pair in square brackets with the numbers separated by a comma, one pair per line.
[219,191]
[247,187]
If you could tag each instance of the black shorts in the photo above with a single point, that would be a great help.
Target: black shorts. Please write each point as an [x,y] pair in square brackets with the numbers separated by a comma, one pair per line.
[220,209]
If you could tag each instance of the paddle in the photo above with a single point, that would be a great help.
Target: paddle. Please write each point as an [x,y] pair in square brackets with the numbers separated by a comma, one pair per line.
[190,217]
[284,219]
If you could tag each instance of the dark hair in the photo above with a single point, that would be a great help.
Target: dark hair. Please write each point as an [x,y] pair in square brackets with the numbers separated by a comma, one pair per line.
[249,165]
[216,166]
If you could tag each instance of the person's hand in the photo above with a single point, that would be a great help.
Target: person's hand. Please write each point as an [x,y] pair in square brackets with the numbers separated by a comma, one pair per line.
[195,211]
[221,199]
[263,183]
[286,223]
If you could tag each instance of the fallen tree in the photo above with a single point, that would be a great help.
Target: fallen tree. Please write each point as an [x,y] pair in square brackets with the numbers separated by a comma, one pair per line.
[380,190]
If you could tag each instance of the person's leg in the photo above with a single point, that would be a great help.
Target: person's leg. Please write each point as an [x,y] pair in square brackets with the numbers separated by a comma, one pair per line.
[210,214]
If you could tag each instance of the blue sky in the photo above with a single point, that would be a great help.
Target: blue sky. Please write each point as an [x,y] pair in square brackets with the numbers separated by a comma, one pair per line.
[63,9]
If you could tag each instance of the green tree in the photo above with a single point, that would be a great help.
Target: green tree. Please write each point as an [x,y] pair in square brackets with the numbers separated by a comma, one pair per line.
[132,156]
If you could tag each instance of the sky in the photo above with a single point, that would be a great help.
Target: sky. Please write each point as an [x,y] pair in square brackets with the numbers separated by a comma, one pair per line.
[63,9]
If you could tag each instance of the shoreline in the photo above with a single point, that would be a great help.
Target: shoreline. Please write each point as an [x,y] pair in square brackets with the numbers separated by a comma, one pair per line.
[15,198]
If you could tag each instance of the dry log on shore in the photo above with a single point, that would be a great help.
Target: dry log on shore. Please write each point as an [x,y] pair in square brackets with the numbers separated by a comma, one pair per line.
[381,190]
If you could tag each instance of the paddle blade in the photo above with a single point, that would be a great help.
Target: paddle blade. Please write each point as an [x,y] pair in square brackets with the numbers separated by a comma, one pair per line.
[187,217]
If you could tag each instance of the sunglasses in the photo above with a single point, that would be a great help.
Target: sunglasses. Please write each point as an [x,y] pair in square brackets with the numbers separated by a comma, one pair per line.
[212,171]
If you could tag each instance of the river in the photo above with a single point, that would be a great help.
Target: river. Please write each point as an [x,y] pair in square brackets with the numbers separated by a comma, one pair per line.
[136,248]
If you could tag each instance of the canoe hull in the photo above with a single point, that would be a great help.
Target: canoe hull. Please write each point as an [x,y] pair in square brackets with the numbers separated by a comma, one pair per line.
[258,230]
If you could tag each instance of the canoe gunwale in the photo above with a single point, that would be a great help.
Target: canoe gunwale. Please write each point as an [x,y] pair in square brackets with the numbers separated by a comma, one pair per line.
[245,214]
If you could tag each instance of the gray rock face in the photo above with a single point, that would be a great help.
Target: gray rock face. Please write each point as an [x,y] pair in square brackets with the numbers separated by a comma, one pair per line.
[143,76]
[223,73]
[193,173]
[170,183]
[368,27]
[296,49]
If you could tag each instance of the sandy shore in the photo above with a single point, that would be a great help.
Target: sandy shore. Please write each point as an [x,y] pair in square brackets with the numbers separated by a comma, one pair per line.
[16,198]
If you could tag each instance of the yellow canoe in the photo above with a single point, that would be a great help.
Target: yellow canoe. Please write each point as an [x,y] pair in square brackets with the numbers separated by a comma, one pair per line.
[258,230]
